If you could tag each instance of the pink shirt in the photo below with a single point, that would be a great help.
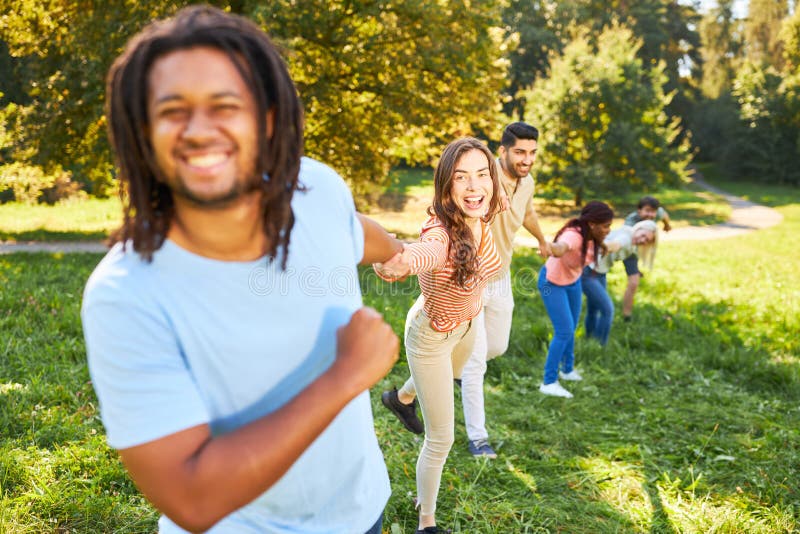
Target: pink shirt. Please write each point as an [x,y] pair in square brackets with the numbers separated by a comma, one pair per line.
[567,269]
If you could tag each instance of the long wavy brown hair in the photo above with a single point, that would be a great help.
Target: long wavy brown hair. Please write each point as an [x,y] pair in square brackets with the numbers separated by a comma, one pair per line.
[463,251]
[147,202]
[593,212]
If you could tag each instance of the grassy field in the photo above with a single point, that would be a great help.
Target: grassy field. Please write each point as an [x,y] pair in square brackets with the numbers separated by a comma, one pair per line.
[401,209]
[689,421]
[79,220]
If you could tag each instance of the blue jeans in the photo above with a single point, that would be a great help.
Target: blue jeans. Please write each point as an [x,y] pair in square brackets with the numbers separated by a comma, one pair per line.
[563,305]
[376,528]
[599,307]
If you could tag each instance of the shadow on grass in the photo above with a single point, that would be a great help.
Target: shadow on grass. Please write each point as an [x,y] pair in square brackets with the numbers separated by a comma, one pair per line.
[42,234]
[683,423]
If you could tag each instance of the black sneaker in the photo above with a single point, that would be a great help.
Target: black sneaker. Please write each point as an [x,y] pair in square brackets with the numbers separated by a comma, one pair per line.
[433,530]
[457,381]
[407,413]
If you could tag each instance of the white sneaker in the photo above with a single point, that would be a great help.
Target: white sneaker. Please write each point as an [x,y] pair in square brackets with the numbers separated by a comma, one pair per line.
[555,390]
[573,375]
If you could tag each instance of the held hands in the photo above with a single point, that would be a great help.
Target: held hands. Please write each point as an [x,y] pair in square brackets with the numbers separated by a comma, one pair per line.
[544,249]
[366,349]
[398,267]
[667,226]
[504,202]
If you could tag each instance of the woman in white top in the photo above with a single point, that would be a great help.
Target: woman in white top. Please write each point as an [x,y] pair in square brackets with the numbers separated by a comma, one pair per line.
[640,239]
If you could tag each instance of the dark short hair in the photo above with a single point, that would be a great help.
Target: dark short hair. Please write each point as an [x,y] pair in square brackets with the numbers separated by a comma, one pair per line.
[518,130]
[147,201]
[648,201]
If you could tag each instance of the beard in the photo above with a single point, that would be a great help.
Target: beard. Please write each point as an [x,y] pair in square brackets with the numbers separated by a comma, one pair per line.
[219,200]
[512,171]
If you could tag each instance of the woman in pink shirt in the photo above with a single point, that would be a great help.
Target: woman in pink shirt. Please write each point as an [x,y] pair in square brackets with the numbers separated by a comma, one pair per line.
[560,287]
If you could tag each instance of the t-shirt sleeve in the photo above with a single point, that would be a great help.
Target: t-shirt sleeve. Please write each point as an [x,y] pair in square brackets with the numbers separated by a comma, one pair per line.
[430,254]
[145,388]
[340,190]
[573,239]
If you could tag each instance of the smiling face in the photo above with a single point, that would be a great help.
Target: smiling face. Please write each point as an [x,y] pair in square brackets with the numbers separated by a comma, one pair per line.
[471,184]
[518,159]
[643,236]
[202,126]
[600,230]
[647,213]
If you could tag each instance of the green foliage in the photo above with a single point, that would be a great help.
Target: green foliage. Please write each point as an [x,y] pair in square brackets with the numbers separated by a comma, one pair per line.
[26,182]
[375,76]
[762,32]
[790,35]
[541,29]
[603,120]
[768,144]
[382,80]
[721,48]
[67,48]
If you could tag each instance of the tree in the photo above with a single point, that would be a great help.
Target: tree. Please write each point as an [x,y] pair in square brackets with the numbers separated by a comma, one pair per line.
[721,41]
[767,145]
[603,120]
[790,35]
[373,74]
[762,32]
[378,76]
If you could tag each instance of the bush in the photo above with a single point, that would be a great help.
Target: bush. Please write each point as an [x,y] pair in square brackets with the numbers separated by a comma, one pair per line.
[30,184]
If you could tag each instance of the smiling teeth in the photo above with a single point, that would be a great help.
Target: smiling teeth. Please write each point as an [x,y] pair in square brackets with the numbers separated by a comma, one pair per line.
[206,160]
[473,199]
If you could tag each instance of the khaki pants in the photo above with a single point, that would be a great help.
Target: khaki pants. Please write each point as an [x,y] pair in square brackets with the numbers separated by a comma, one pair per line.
[434,359]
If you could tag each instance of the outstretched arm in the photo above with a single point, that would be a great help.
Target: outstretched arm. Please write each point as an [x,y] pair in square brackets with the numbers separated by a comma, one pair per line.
[665,219]
[531,224]
[559,248]
[379,245]
[196,479]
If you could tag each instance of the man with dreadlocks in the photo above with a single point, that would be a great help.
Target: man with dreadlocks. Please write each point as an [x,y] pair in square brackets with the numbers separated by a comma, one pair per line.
[225,332]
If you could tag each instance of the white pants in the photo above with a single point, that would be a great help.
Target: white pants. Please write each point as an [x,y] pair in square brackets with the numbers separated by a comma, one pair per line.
[492,329]
[434,358]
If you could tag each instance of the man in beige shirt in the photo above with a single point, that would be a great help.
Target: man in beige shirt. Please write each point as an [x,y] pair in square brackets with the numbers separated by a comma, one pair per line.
[517,154]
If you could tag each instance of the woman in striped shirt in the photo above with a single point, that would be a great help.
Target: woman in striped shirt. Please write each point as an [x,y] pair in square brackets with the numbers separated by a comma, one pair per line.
[560,286]
[454,259]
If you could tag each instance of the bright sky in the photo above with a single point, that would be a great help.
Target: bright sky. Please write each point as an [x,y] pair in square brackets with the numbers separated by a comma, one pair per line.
[739,7]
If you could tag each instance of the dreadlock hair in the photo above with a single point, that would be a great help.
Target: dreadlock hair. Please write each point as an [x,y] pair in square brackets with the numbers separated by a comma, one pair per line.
[593,212]
[148,204]
[462,250]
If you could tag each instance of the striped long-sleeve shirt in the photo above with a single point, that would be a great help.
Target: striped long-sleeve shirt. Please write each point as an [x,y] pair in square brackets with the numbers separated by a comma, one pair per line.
[447,303]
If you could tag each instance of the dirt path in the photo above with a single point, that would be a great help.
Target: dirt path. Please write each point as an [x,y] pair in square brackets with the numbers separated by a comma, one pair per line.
[746,217]
[55,246]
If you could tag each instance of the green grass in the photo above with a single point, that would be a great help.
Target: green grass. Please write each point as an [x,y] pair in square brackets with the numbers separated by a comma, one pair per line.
[401,209]
[688,422]
[79,220]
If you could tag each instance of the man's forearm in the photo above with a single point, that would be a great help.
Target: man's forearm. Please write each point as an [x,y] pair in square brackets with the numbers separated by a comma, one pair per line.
[379,245]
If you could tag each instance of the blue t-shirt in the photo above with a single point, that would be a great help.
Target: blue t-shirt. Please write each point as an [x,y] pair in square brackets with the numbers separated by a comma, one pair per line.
[187,340]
